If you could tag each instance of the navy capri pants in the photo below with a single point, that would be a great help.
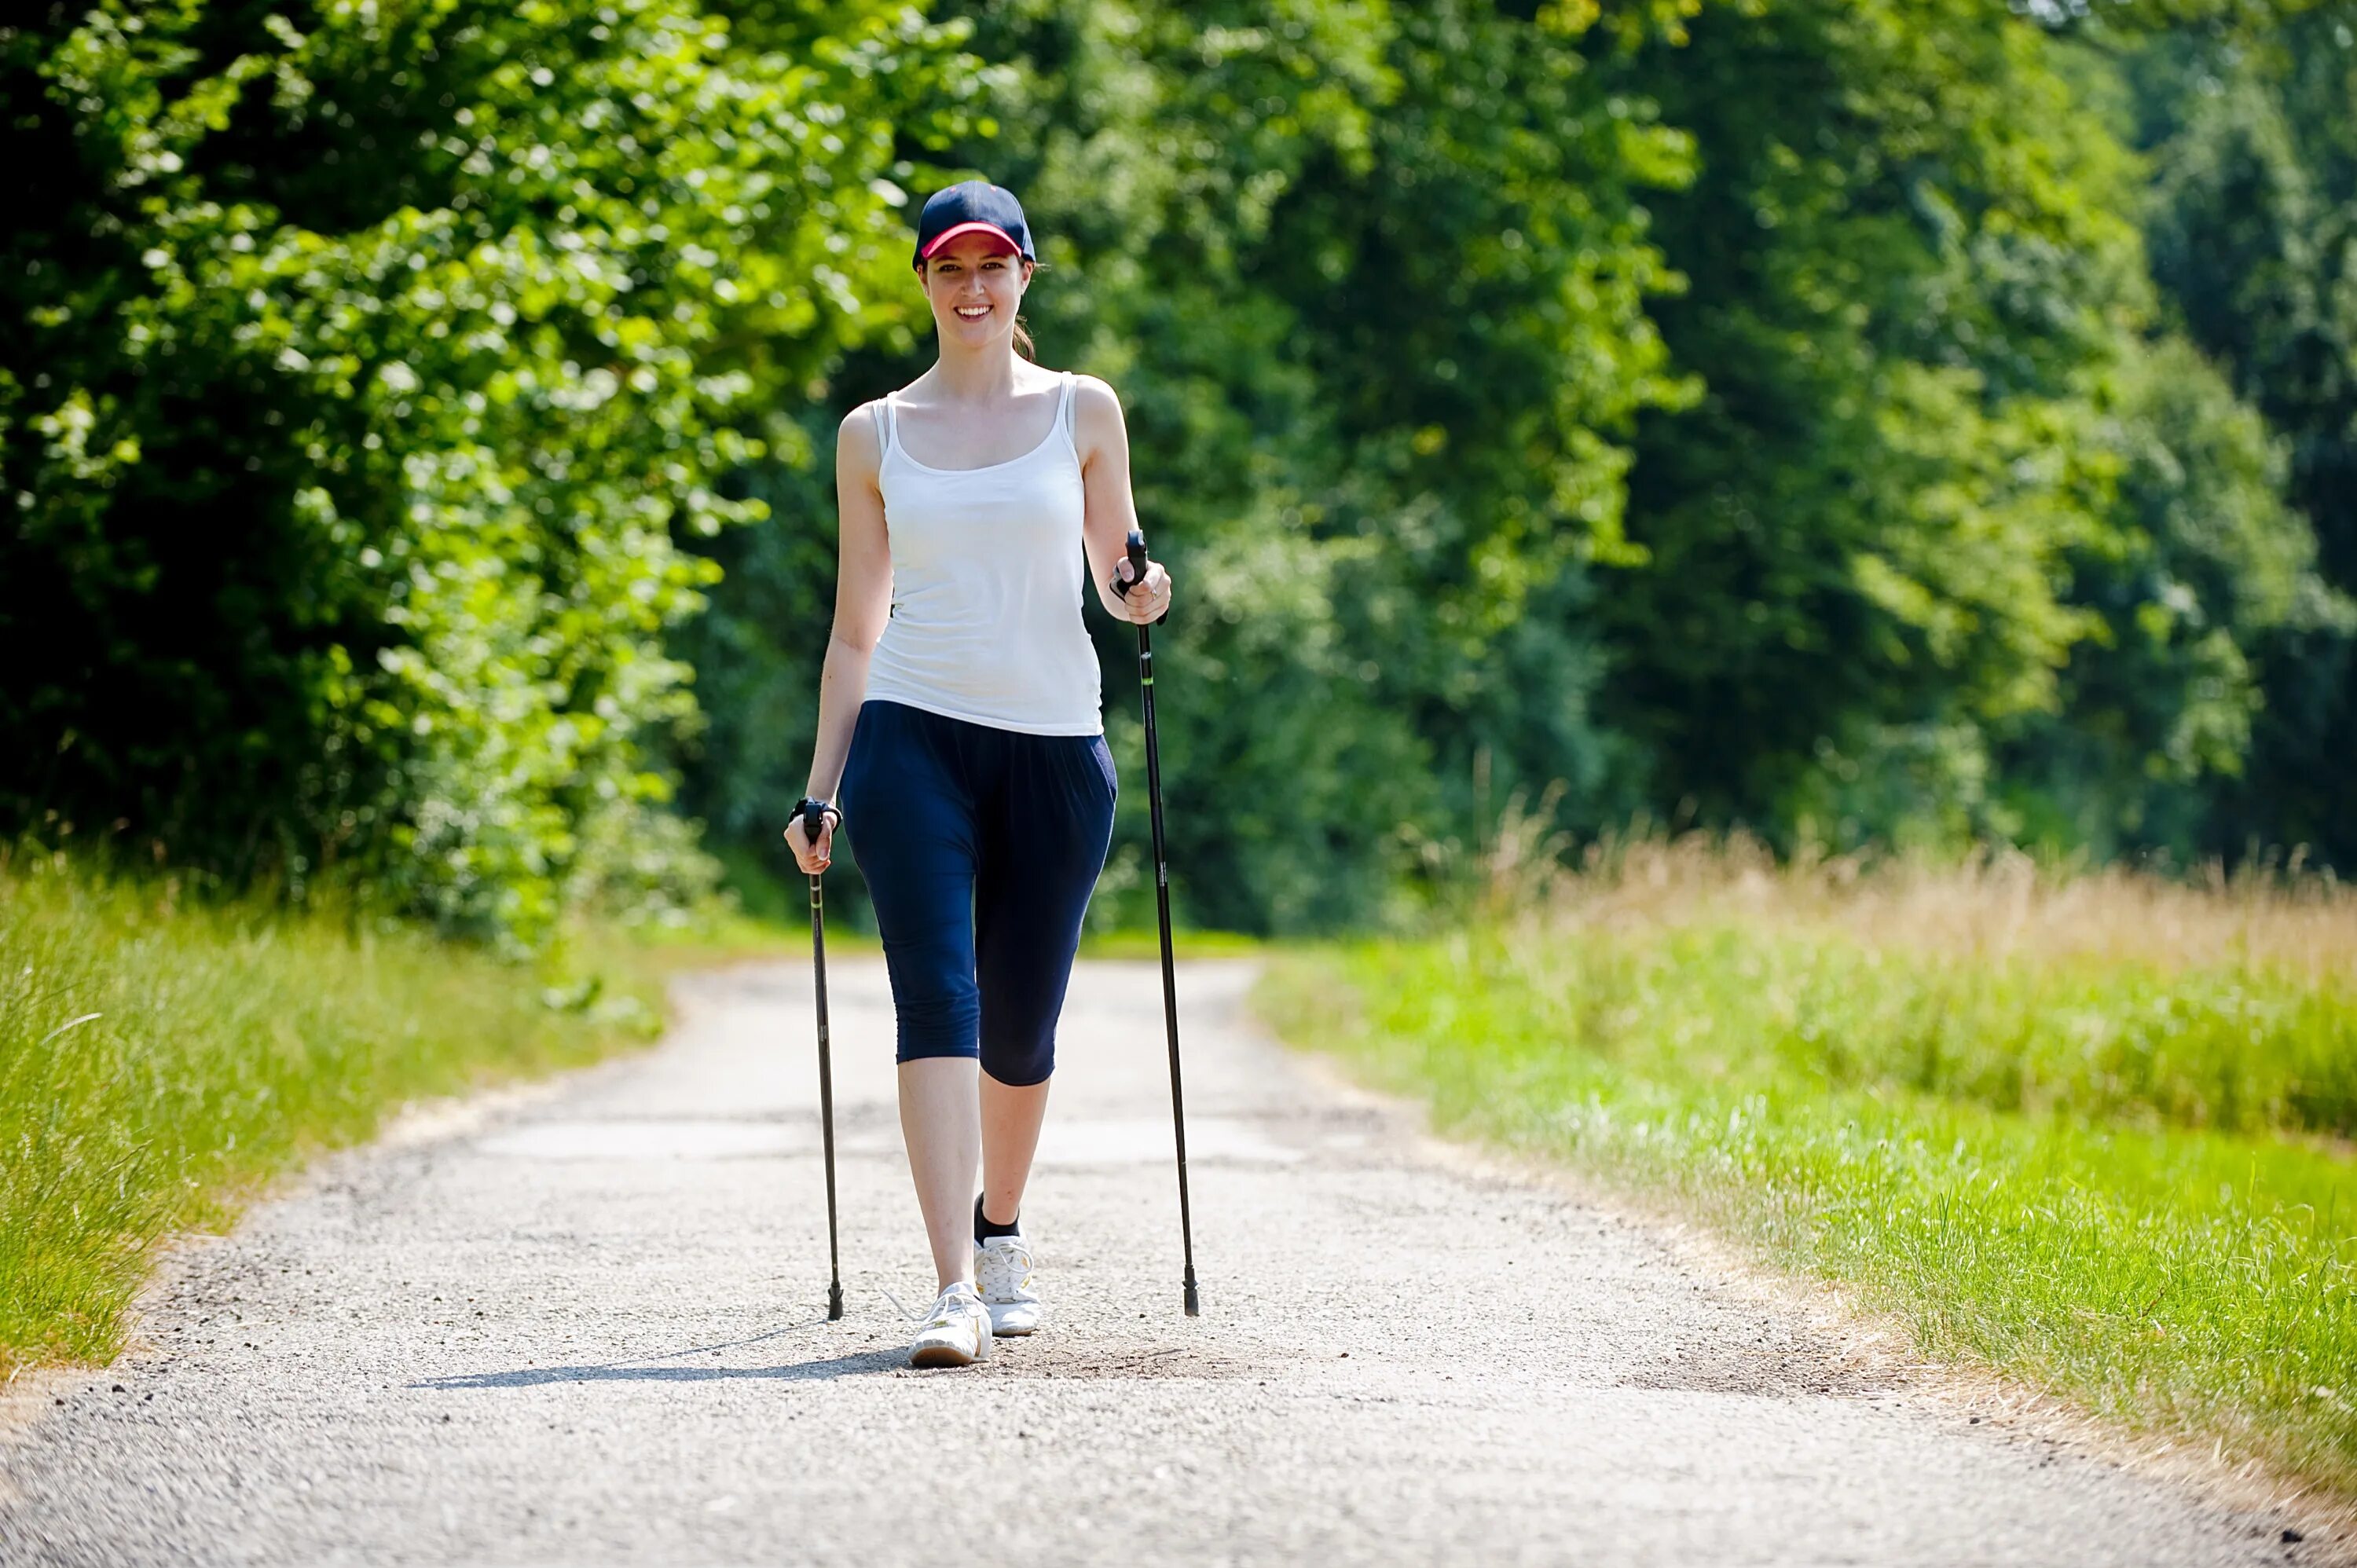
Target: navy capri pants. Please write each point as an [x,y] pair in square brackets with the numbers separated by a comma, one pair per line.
[980,847]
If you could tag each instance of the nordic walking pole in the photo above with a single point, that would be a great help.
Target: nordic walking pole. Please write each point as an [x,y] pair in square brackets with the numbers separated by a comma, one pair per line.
[1162,905]
[814,822]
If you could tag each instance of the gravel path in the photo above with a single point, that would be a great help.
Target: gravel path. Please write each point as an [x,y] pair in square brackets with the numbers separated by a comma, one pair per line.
[585,1325]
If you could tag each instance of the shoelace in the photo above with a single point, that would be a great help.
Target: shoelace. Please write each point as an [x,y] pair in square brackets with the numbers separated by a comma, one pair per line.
[1005,1267]
[939,1319]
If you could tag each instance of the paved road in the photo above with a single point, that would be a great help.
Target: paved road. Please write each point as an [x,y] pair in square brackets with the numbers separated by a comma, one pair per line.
[587,1328]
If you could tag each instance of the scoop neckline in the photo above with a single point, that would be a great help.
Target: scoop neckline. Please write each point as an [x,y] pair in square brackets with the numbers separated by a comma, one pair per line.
[1054,426]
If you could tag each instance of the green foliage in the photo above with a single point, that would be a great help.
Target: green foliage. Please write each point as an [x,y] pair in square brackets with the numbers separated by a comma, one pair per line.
[360,363]
[2253,235]
[1899,257]
[1954,545]
[2203,565]
[1749,411]
[1373,283]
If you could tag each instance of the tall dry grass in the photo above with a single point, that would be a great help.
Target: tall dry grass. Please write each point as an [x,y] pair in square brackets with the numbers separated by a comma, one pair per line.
[1995,903]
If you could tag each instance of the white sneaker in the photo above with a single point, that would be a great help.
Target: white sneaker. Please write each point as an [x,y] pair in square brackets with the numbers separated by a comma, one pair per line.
[958,1332]
[1002,1271]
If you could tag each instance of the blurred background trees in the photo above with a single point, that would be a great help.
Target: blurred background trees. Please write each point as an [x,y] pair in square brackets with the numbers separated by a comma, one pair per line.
[1858,421]
[2251,134]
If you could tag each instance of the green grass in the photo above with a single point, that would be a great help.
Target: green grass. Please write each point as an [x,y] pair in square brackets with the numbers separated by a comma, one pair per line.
[160,1061]
[2122,1176]
[1184,945]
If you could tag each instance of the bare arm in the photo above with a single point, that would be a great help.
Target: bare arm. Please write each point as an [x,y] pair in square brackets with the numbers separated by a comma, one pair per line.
[1102,437]
[863,602]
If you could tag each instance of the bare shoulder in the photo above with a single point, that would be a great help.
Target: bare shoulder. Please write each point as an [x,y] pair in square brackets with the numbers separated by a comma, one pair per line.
[1097,424]
[857,441]
[1092,396]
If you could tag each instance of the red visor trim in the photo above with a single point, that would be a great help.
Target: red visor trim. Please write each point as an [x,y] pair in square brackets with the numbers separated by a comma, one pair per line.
[955,230]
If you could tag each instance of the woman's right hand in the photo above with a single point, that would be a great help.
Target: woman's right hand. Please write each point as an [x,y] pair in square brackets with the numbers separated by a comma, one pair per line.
[812,858]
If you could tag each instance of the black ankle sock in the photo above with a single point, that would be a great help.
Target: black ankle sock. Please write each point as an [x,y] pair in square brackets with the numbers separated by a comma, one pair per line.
[984,1230]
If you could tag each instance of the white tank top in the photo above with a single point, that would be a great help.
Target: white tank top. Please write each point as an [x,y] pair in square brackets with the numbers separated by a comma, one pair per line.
[987,574]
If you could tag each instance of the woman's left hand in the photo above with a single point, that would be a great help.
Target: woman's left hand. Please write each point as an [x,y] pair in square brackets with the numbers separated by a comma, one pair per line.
[1145,605]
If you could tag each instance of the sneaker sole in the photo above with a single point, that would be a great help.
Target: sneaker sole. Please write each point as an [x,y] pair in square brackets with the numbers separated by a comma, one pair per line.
[940,1356]
[1014,1331]
[950,1355]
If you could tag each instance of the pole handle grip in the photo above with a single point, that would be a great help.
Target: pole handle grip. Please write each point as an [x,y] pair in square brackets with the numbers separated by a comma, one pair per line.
[814,813]
[1137,564]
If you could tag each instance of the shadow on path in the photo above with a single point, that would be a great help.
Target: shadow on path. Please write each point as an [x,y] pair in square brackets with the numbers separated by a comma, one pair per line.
[635,1369]
[792,1371]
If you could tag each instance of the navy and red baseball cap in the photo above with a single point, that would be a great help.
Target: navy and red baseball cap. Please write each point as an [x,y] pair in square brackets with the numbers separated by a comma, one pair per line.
[972,207]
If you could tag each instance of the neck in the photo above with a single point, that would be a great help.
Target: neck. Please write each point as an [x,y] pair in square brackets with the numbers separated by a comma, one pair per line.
[985,374]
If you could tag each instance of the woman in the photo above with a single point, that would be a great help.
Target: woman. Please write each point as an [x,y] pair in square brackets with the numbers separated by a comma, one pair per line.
[960,721]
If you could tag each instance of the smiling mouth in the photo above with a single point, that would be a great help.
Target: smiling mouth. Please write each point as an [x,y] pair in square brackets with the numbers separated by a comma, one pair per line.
[973,312]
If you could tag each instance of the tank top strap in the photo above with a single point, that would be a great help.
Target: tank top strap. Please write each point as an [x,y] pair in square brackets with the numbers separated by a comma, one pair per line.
[1064,417]
[884,421]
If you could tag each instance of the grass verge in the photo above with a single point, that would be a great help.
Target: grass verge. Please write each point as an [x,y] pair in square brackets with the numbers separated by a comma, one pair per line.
[160,1061]
[2093,1136]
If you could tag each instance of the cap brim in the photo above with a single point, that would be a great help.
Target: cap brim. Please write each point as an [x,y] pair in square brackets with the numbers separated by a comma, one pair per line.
[956,229]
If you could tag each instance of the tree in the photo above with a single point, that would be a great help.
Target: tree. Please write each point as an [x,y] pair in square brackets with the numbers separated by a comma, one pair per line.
[358,366]
[1372,280]
[1898,552]
[2253,237]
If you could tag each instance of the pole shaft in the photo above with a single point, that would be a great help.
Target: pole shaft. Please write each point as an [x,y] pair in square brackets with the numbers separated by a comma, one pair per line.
[826,1100]
[1169,975]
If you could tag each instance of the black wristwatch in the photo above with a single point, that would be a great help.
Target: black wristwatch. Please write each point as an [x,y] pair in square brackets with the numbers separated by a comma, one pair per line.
[802,810]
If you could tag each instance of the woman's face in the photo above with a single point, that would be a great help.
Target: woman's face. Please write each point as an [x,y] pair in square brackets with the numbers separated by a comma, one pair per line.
[975,286]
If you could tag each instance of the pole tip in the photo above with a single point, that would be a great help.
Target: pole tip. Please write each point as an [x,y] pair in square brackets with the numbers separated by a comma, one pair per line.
[1194,1302]
[835,1303]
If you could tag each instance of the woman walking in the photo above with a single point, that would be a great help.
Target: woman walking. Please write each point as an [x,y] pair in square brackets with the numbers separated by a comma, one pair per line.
[960,725]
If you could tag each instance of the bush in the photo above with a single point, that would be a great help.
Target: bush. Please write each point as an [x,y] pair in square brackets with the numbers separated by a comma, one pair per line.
[358,366]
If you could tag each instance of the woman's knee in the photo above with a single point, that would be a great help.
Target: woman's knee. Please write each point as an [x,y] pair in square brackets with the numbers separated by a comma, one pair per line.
[942,1025]
[935,1000]
[1020,1060]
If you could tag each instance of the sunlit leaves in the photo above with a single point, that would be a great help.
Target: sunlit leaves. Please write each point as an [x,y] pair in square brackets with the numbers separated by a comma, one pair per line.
[497,297]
